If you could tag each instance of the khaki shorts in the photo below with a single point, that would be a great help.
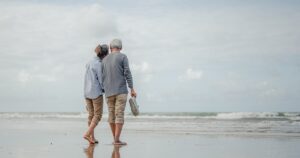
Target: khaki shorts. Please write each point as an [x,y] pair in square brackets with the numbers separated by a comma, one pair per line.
[116,107]
[95,109]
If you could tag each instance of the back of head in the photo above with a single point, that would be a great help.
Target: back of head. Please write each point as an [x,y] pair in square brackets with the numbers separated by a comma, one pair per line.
[116,43]
[104,51]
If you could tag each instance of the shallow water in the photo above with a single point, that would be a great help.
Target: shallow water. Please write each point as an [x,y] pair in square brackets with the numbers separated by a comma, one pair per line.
[242,123]
[146,138]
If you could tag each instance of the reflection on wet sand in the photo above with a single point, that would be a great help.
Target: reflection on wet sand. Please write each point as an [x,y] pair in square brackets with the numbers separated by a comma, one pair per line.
[116,152]
[89,151]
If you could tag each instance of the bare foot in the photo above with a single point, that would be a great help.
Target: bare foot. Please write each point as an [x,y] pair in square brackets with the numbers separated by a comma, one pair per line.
[88,139]
[95,140]
[119,143]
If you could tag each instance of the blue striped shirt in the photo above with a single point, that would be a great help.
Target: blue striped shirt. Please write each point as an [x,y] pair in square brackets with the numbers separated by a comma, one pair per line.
[93,79]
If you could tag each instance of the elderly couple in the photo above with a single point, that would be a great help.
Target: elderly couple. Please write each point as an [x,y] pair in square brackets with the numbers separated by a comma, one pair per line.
[107,73]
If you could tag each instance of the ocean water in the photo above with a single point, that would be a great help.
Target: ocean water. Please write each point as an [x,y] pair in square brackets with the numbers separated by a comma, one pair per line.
[229,123]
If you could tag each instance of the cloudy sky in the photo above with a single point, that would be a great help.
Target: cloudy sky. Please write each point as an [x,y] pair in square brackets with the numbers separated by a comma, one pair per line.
[191,56]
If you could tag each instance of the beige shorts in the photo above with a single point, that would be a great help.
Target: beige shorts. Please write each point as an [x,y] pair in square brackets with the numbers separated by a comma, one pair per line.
[95,109]
[116,107]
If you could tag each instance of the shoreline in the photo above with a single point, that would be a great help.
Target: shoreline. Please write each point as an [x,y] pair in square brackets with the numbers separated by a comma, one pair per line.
[163,126]
[48,138]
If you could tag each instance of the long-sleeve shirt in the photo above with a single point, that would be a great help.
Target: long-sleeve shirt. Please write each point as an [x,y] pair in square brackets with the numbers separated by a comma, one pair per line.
[93,79]
[115,74]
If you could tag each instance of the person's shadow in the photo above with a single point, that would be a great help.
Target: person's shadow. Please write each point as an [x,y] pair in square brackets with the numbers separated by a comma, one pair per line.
[89,151]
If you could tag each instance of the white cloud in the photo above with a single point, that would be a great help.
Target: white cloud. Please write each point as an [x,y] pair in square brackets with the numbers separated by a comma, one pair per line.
[51,42]
[267,89]
[271,92]
[32,30]
[142,71]
[43,74]
[24,76]
[38,41]
[191,74]
[143,67]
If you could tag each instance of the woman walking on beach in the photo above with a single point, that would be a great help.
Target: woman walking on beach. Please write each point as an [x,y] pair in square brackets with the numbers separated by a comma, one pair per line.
[93,92]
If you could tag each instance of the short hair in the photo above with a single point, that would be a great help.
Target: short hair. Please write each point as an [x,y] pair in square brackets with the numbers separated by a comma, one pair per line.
[116,43]
[103,52]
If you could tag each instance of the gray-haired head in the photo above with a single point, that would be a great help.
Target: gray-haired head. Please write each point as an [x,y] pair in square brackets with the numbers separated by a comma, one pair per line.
[116,43]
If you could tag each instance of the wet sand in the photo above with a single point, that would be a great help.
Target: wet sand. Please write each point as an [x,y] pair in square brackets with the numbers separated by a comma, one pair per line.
[62,138]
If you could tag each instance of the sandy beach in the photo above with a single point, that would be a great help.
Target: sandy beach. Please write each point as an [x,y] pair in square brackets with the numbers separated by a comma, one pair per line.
[48,137]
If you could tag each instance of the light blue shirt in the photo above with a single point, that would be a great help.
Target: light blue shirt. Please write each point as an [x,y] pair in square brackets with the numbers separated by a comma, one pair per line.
[93,79]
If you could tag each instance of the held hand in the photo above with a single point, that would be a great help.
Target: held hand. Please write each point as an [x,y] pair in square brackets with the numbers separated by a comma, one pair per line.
[133,93]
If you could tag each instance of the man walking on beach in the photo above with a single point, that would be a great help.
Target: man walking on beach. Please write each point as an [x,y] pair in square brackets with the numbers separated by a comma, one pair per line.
[115,74]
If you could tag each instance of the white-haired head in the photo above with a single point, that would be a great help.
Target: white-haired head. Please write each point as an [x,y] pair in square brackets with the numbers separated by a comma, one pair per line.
[116,43]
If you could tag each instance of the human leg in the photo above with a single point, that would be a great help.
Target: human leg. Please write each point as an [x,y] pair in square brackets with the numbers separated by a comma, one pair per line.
[98,110]
[94,107]
[119,113]
[111,113]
